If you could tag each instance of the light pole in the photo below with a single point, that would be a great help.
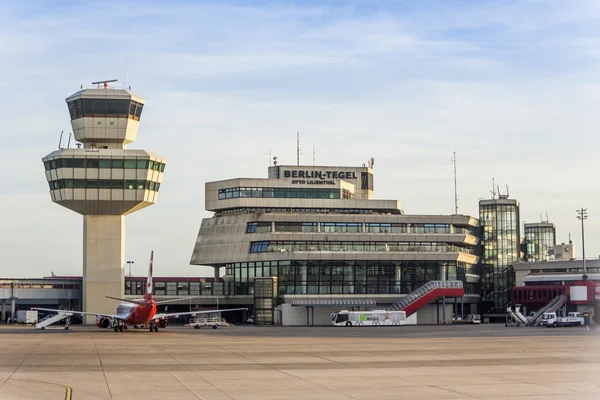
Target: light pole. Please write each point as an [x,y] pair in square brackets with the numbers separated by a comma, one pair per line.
[130,263]
[582,216]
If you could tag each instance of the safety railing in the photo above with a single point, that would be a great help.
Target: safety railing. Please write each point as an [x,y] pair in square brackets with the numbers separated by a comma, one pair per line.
[423,291]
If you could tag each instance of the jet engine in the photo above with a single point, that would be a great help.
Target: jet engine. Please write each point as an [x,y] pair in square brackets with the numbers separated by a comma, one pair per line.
[102,322]
[163,323]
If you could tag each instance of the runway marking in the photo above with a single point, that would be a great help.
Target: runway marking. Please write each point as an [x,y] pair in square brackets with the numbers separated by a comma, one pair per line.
[187,387]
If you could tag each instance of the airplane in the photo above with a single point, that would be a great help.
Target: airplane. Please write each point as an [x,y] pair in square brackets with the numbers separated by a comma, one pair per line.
[138,313]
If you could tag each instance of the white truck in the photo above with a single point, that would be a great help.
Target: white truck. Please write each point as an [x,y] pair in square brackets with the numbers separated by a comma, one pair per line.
[366,318]
[552,320]
[474,318]
[213,322]
[27,316]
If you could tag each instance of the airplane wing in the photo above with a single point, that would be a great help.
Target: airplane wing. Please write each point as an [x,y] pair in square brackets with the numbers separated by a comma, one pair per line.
[177,299]
[163,315]
[139,302]
[119,317]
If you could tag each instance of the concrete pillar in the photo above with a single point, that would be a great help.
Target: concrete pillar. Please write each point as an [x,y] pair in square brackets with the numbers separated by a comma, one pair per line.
[217,273]
[103,263]
[3,306]
[13,308]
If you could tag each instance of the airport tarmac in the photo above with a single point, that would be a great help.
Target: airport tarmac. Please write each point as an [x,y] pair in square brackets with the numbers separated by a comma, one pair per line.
[249,363]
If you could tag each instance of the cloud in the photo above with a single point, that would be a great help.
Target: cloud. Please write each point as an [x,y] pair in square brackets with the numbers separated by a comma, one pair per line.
[511,85]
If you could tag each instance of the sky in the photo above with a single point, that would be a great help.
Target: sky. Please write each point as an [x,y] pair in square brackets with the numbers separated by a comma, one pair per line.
[513,87]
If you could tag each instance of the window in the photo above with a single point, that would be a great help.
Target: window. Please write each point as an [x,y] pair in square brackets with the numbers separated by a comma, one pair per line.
[142,164]
[79,163]
[341,227]
[295,227]
[130,164]
[280,193]
[104,163]
[258,247]
[92,163]
[258,227]
[103,184]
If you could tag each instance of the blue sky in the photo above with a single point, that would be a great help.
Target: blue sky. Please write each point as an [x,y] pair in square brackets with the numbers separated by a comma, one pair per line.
[512,85]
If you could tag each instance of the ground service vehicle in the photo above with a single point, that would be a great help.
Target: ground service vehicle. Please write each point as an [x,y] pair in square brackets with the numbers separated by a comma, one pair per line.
[367,318]
[552,320]
[27,316]
[474,318]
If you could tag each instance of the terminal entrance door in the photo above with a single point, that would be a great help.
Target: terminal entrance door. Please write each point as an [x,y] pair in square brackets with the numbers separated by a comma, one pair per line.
[265,299]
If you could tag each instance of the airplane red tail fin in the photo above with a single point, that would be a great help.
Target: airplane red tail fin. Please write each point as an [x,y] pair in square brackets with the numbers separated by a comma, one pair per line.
[148,295]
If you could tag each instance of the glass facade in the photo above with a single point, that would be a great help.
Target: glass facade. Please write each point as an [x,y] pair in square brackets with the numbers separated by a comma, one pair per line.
[500,249]
[112,163]
[284,246]
[347,277]
[105,108]
[351,227]
[539,238]
[104,184]
[283,193]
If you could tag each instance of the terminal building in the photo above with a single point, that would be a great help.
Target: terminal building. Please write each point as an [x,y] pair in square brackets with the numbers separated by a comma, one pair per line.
[315,237]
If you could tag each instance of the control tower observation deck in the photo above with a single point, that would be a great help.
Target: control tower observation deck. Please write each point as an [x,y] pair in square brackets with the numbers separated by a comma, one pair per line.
[104,181]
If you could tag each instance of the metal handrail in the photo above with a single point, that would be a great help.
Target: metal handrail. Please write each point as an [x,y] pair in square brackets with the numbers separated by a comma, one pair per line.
[422,291]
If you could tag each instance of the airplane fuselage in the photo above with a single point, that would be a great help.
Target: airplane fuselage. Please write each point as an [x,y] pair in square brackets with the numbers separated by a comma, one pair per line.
[135,314]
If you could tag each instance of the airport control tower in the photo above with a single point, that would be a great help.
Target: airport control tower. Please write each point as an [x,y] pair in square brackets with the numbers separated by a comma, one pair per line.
[104,181]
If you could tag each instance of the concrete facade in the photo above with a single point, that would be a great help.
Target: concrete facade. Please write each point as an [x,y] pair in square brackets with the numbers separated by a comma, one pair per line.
[103,251]
[103,181]
[322,233]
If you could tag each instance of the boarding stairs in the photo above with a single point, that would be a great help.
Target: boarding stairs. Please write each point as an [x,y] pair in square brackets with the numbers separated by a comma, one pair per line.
[426,294]
[516,316]
[554,305]
[54,319]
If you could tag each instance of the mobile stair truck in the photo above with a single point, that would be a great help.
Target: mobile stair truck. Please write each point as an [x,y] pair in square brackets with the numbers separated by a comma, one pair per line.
[46,322]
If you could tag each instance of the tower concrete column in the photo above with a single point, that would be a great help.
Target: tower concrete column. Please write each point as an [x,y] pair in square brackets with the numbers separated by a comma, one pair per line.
[103,261]
[3,306]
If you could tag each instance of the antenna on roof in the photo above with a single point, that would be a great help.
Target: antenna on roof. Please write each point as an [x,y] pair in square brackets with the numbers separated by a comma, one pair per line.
[60,140]
[455,188]
[507,192]
[547,219]
[269,154]
[314,155]
[493,188]
[105,82]
[69,142]
[298,148]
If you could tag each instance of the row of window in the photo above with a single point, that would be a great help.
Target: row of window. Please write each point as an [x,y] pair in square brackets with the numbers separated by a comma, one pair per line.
[103,163]
[346,227]
[168,288]
[105,108]
[284,246]
[294,210]
[347,277]
[104,184]
[280,193]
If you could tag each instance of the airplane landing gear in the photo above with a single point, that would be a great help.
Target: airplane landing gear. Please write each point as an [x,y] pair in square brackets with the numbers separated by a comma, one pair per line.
[153,328]
[120,327]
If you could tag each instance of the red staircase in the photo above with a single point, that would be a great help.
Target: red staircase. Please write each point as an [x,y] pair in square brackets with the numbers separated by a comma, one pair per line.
[426,294]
